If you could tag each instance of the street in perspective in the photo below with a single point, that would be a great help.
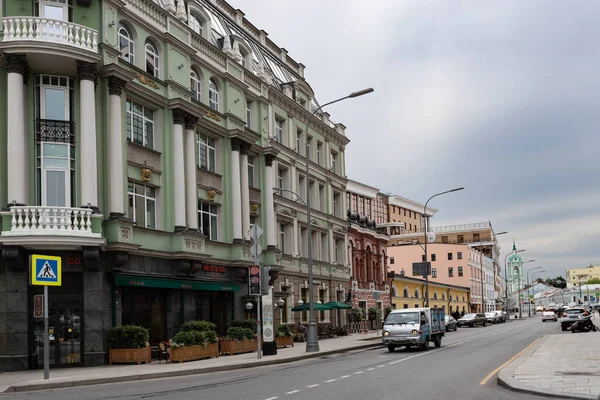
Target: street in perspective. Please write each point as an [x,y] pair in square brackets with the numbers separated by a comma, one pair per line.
[299,199]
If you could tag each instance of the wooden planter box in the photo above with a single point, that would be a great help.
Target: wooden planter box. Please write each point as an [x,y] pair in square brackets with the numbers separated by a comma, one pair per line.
[137,356]
[235,347]
[284,341]
[191,353]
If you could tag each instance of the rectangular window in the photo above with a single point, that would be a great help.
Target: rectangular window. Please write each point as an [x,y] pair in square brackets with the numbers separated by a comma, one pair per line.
[139,124]
[142,204]
[476,237]
[450,272]
[251,171]
[337,204]
[206,152]
[208,219]
[279,130]
[333,162]
[324,247]
[449,256]
[319,148]
[299,141]
[460,271]
[433,258]
[322,203]
[444,239]
[405,305]
[423,257]
[282,246]
[249,114]
[309,144]
[459,255]
[433,273]
[460,238]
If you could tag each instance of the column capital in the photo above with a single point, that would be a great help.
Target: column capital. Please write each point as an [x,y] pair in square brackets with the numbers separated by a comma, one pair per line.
[16,63]
[116,86]
[190,121]
[237,144]
[245,148]
[179,116]
[87,71]
[269,158]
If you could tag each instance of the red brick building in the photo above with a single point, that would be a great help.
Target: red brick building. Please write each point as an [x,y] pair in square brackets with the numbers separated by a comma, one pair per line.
[367,242]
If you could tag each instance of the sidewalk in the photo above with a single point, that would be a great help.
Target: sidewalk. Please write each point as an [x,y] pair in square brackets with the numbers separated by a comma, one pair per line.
[67,377]
[563,366]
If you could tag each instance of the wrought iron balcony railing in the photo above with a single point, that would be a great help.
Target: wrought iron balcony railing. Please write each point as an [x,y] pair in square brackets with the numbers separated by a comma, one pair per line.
[50,130]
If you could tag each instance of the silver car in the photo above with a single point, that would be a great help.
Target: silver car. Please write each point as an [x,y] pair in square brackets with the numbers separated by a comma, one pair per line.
[571,315]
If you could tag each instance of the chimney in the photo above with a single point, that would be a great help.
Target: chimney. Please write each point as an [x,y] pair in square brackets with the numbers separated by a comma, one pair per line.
[263,37]
[341,129]
[301,69]
[284,54]
[325,117]
[288,91]
[239,17]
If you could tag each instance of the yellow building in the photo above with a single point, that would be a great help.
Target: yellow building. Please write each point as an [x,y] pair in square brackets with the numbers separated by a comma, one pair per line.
[409,292]
[579,276]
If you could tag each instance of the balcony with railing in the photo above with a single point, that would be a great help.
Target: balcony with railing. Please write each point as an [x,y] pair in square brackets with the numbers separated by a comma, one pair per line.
[36,29]
[60,222]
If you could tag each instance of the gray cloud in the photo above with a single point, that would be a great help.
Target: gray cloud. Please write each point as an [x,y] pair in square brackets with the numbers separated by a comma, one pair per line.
[500,97]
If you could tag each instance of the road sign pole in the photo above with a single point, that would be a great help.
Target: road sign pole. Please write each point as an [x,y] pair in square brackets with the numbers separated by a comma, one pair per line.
[46,339]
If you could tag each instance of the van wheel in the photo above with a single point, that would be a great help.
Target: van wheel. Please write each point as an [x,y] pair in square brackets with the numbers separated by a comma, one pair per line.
[425,346]
[484,323]
[391,348]
[438,342]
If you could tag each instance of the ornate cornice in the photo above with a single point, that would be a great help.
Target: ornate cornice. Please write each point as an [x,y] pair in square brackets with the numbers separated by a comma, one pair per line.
[269,158]
[245,147]
[87,71]
[179,116]
[116,86]
[16,63]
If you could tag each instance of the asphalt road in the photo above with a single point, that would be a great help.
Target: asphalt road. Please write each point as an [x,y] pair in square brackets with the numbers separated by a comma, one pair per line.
[454,371]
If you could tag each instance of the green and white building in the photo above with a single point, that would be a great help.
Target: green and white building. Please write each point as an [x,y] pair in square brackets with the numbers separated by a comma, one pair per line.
[139,140]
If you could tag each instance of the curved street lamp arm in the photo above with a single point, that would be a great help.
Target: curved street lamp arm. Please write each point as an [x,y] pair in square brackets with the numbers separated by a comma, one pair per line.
[292,192]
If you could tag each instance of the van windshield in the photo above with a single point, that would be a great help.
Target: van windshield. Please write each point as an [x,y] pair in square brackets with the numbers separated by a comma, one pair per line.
[403,318]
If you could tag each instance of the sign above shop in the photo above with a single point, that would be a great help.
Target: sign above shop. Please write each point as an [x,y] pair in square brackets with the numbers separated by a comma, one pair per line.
[151,282]
[213,268]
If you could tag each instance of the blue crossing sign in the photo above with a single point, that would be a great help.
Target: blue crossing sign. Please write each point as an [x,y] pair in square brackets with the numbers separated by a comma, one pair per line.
[46,270]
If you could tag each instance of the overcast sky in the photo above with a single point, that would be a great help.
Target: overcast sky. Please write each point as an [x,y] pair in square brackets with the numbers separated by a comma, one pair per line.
[501,97]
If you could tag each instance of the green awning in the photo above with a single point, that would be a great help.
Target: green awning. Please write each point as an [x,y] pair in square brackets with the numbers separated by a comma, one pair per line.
[317,307]
[338,305]
[165,283]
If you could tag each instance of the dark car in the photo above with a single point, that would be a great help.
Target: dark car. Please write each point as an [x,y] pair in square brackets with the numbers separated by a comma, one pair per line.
[472,320]
[450,323]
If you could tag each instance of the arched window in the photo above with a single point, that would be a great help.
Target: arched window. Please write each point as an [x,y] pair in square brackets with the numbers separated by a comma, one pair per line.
[406,294]
[244,61]
[196,23]
[417,294]
[126,44]
[195,85]
[443,296]
[213,95]
[394,291]
[152,60]
[435,295]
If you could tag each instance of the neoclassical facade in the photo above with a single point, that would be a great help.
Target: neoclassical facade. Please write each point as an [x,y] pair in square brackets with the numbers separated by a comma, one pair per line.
[142,139]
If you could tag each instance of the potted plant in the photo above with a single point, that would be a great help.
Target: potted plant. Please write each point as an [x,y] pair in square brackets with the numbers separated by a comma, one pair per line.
[284,336]
[238,340]
[195,340]
[129,344]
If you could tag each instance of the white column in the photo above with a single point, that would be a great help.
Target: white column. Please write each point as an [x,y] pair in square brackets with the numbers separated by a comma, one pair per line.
[236,192]
[191,187]
[115,146]
[245,190]
[16,139]
[269,205]
[178,170]
[87,138]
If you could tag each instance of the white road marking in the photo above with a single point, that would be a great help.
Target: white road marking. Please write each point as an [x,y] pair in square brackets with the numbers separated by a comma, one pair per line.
[358,372]
[312,386]
[331,380]
[272,398]
[381,366]
[370,369]
[292,392]
[344,376]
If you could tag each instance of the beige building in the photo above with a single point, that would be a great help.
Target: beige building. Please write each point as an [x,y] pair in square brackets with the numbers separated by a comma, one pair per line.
[408,212]
[577,276]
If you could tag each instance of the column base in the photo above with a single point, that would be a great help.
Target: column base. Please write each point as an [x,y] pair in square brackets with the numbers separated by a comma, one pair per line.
[95,210]
[237,241]
[179,228]
[114,216]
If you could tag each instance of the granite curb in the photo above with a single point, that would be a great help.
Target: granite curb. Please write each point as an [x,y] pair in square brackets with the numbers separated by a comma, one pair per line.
[193,371]
[506,379]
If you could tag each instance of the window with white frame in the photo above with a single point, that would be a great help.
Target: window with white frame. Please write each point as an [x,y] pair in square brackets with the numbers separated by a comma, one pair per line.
[309,144]
[333,161]
[303,242]
[319,148]
[213,95]
[251,161]
[195,85]
[337,204]
[196,23]
[322,202]
[299,141]
[126,44]
[206,152]
[324,247]
[339,251]
[139,124]
[279,123]
[152,60]
[302,186]
[282,238]
[142,204]
[208,219]
[244,60]
[249,121]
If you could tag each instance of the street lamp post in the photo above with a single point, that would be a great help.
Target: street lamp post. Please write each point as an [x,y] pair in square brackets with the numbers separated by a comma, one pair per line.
[519,287]
[506,281]
[425,238]
[528,301]
[312,343]
[532,276]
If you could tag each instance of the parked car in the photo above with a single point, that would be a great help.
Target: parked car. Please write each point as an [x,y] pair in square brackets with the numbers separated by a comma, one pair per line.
[472,320]
[571,315]
[450,323]
[492,317]
[539,309]
[503,316]
[549,316]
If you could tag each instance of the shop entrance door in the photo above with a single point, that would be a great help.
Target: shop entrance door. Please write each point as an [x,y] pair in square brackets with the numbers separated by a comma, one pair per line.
[64,331]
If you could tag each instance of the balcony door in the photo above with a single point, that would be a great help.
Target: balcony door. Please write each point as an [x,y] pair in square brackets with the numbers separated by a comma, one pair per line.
[55,150]
[54,9]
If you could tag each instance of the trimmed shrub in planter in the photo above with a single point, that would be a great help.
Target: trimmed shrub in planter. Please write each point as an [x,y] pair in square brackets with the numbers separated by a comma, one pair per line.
[238,340]
[129,344]
[194,345]
[245,323]
[199,326]
[284,336]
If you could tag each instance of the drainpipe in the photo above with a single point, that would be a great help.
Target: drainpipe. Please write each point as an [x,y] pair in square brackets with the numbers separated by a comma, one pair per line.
[449,301]
[424,294]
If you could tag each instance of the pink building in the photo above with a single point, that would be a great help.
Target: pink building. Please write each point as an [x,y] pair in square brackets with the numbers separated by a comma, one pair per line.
[452,264]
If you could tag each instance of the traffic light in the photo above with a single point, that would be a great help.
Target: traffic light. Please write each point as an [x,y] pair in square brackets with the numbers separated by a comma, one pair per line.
[273,275]
[254,280]
[265,279]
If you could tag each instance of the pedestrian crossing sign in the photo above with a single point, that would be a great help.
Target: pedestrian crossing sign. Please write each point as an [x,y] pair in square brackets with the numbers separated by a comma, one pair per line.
[46,270]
